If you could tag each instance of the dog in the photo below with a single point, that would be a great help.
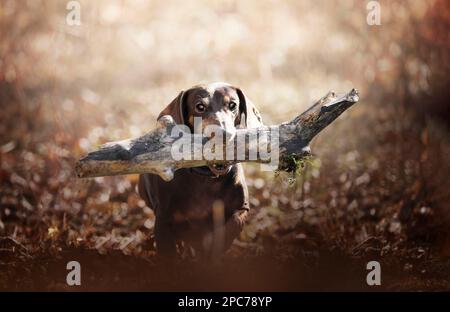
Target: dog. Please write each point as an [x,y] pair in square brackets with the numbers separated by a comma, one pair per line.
[186,207]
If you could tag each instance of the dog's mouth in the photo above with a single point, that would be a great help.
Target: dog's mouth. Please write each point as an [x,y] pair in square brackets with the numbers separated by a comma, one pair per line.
[219,169]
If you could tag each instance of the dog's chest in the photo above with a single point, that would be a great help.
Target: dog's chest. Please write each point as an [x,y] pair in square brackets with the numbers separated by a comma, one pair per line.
[199,199]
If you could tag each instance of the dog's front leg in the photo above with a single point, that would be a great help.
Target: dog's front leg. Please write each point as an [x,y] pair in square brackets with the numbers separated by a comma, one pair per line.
[165,236]
[234,226]
[217,242]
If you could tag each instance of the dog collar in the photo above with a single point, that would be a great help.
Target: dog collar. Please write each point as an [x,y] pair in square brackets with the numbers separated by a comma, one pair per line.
[204,171]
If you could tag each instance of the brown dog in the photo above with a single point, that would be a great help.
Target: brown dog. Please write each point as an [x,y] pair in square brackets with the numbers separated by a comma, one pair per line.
[188,206]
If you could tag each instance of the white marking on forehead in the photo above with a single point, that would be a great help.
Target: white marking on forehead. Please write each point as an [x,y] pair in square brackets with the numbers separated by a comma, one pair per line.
[215,85]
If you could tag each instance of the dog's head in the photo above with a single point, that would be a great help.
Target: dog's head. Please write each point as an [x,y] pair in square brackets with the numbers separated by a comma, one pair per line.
[217,104]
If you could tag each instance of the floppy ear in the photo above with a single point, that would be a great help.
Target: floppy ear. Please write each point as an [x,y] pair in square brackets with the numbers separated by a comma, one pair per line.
[252,117]
[176,109]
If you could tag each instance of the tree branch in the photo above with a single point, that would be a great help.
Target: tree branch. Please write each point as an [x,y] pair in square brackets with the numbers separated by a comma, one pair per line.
[152,152]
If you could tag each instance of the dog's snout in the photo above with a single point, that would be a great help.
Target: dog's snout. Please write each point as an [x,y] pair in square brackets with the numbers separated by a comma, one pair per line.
[220,122]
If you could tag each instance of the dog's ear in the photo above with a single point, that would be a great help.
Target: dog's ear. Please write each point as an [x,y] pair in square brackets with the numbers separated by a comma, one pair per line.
[176,109]
[252,117]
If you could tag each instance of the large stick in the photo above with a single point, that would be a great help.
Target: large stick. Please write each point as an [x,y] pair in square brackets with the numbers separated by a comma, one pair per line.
[152,152]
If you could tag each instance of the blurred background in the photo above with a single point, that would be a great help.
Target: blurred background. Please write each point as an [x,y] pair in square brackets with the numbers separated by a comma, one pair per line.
[377,188]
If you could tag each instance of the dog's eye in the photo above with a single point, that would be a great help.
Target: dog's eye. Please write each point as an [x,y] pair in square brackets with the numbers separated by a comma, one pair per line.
[200,108]
[232,105]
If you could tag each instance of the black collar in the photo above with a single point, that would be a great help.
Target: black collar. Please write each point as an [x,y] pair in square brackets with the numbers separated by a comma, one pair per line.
[204,171]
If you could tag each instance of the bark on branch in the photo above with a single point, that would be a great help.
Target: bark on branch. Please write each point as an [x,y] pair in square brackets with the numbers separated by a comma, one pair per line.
[152,152]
